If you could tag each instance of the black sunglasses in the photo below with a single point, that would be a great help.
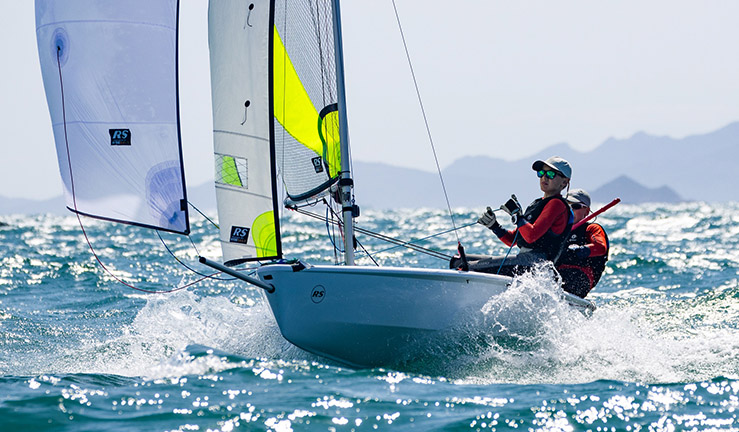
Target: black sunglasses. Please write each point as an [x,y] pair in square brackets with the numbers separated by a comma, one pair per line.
[550,174]
[577,206]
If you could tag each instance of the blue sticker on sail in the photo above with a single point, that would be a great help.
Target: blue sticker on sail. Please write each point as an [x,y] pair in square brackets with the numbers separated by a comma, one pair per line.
[239,234]
[120,137]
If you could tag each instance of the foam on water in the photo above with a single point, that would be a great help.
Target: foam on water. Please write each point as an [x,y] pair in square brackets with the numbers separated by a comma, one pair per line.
[667,308]
[156,343]
[79,351]
[529,335]
[643,340]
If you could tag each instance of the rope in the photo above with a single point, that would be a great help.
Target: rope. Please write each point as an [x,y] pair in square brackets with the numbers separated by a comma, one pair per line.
[515,237]
[425,120]
[331,236]
[430,252]
[185,265]
[77,213]
[203,215]
[428,237]
[366,252]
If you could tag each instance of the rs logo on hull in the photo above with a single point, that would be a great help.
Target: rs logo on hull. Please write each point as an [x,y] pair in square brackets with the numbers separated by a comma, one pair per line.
[318,294]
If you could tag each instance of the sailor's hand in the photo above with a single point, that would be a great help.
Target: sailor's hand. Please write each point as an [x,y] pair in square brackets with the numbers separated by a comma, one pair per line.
[488,219]
[578,251]
[513,208]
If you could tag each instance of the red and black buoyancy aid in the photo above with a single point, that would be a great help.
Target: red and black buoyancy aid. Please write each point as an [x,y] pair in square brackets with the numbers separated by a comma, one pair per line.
[550,243]
[597,264]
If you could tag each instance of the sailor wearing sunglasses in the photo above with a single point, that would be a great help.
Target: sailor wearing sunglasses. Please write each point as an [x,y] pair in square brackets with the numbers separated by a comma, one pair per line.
[540,231]
[584,260]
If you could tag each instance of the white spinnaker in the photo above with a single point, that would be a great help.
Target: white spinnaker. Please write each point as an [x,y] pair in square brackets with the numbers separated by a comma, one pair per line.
[114,110]
[239,40]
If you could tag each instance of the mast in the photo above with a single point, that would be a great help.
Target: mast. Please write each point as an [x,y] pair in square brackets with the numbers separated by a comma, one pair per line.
[346,184]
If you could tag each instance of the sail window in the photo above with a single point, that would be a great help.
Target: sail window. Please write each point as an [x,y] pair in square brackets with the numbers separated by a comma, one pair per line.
[232,171]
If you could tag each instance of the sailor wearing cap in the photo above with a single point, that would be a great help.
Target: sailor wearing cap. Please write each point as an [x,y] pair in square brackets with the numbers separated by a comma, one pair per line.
[540,231]
[584,260]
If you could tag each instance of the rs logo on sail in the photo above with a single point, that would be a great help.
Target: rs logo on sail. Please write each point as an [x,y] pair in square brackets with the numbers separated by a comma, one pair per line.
[120,137]
[239,234]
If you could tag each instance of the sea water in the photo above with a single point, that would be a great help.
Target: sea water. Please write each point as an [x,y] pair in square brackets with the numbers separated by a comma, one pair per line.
[81,351]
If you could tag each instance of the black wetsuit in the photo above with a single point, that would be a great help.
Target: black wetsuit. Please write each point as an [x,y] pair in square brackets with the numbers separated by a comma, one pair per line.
[581,273]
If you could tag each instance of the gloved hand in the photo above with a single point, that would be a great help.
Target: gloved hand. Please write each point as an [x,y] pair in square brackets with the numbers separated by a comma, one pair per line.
[513,208]
[488,219]
[578,251]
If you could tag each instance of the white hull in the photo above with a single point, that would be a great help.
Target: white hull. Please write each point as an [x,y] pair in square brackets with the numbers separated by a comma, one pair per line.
[374,316]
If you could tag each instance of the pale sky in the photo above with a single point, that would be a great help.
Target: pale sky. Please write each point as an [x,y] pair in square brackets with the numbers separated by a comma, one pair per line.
[498,78]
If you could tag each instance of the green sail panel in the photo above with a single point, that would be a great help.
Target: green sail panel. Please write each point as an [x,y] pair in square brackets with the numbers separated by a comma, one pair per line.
[245,171]
[264,232]
[231,171]
[305,97]
[110,75]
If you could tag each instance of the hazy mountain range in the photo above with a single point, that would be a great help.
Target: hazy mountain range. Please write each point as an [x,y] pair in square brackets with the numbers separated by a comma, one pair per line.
[637,169]
[642,168]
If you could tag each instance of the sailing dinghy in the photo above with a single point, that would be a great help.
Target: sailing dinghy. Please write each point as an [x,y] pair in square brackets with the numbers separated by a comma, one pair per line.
[279,127]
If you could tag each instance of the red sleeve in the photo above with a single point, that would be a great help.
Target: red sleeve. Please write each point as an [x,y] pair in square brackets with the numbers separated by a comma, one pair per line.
[554,216]
[596,240]
[508,238]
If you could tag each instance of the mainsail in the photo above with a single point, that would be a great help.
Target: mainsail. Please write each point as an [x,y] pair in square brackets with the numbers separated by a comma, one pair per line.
[274,111]
[110,74]
[246,187]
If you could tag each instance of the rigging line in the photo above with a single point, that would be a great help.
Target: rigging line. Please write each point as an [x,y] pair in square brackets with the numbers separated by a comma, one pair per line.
[185,265]
[192,243]
[425,120]
[331,237]
[421,249]
[74,199]
[366,252]
[397,242]
[409,245]
[428,237]
[203,214]
[339,222]
[509,251]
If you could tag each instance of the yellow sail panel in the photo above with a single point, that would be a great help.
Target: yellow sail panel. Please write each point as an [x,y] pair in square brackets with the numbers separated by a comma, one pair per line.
[328,128]
[293,107]
[264,234]
[295,111]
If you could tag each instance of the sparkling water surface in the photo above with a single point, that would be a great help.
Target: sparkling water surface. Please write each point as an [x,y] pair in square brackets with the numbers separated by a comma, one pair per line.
[81,351]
